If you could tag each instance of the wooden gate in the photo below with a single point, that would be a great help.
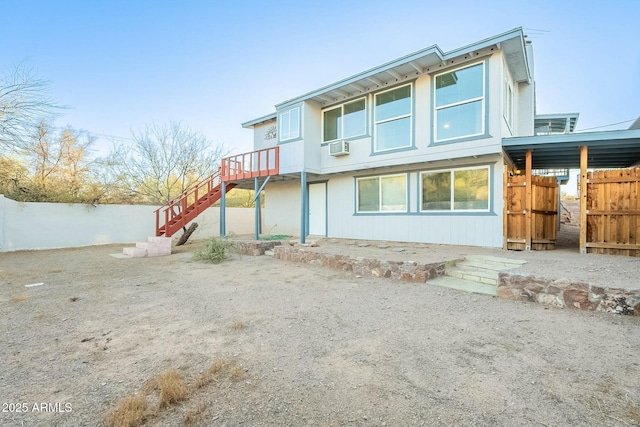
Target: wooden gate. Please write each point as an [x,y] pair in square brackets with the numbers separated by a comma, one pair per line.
[613,212]
[531,217]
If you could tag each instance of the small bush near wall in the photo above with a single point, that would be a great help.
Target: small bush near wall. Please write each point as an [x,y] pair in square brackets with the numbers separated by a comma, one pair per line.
[216,251]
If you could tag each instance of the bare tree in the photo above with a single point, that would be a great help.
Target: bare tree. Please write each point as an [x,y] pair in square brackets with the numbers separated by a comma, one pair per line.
[164,160]
[24,103]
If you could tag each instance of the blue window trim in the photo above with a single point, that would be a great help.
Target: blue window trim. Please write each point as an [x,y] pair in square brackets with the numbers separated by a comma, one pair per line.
[417,196]
[412,144]
[300,118]
[383,213]
[351,138]
[485,134]
[490,212]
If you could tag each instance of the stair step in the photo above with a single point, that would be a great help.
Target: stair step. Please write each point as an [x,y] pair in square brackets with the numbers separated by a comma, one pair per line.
[135,252]
[475,275]
[506,262]
[463,285]
[484,266]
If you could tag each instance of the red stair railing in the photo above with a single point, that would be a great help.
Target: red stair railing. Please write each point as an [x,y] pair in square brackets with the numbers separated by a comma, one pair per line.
[255,164]
[182,209]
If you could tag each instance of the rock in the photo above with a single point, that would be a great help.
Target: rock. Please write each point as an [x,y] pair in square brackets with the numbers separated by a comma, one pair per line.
[398,249]
[269,252]
[362,245]
[383,246]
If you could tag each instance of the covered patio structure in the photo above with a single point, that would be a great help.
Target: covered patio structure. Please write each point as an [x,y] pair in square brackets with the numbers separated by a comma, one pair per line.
[588,150]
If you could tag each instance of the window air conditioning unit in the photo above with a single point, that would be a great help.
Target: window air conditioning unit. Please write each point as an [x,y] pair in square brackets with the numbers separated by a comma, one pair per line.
[339,148]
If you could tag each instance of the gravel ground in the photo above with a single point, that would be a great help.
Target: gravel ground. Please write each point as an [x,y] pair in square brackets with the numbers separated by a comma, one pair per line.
[318,347]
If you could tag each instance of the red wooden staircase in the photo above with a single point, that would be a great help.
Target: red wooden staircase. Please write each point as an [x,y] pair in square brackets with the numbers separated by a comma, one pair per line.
[187,206]
[192,202]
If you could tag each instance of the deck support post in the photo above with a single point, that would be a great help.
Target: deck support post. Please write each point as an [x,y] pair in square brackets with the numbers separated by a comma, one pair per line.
[303,207]
[223,209]
[528,200]
[583,199]
[257,203]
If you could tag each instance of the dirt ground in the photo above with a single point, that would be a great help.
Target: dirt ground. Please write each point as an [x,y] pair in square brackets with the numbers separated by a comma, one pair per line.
[317,347]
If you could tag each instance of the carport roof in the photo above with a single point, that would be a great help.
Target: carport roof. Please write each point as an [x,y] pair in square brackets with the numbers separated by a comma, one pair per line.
[609,149]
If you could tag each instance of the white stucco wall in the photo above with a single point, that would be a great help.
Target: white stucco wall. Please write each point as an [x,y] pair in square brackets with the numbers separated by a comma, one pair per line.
[456,229]
[282,208]
[62,225]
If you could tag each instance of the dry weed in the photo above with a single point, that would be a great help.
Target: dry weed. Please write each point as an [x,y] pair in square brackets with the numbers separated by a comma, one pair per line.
[236,373]
[19,298]
[129,413]
[194,415]
[74,299]
[238,325]
[633,411]
[172,388]
[211,374]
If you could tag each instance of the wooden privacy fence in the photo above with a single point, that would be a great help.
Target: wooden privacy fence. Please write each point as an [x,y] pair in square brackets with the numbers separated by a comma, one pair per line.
[531,217]
[613,212]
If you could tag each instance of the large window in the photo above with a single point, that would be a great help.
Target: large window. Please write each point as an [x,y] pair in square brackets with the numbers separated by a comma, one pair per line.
[346,121]
[393,119]
[460,103]
[382,194]
[289,124]
[456,190]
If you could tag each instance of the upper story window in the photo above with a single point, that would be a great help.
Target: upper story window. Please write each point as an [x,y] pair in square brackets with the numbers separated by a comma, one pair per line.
[289,124]
[392,119]
[345,121]
[507,102]
[460,103]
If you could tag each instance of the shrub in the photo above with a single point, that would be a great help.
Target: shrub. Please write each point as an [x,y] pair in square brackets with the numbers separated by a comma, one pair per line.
[216,250]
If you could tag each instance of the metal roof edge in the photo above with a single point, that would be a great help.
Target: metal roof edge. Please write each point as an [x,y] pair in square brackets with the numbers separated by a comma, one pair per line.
[265,118]
[516,32]
[575,138]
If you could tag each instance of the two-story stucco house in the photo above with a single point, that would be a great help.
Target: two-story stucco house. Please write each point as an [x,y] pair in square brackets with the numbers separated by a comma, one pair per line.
[436,147]
[410,150]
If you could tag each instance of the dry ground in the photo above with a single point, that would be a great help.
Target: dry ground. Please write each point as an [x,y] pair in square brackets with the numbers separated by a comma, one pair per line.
[309,346]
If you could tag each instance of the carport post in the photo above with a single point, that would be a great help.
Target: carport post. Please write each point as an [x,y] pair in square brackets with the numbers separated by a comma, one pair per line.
[583,199]
[528,201]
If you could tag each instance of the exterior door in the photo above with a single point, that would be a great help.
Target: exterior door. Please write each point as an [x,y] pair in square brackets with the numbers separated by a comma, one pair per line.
[318,209]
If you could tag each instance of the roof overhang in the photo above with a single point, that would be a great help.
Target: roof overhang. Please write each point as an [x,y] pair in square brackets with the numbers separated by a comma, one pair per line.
[555,123]
[259,120]
[610,149]
[428,60]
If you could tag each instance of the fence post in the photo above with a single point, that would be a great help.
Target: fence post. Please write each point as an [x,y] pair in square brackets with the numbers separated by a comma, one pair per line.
[583,199]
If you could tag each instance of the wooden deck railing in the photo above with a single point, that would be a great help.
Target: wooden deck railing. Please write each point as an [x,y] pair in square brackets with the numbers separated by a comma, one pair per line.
[254,164]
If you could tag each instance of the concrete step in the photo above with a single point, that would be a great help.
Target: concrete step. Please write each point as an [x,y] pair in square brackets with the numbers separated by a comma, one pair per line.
[473,274]
[135,252]
[507,263]
[463,285]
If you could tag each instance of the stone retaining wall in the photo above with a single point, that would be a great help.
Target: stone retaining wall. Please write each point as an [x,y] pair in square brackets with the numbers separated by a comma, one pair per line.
[409,271]
[255,247]
[563,293]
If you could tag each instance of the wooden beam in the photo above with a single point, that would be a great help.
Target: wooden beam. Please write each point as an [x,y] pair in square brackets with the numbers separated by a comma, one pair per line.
[528,200]
[583,199]
[505,215]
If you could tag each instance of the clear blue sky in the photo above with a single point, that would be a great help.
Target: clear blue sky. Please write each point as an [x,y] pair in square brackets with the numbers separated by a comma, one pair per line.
[120,65]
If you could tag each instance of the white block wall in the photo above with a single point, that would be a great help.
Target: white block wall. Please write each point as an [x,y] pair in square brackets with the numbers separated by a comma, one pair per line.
[62,225]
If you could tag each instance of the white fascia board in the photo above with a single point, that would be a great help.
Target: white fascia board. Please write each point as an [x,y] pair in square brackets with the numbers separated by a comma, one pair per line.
[432,50]
[251,123]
